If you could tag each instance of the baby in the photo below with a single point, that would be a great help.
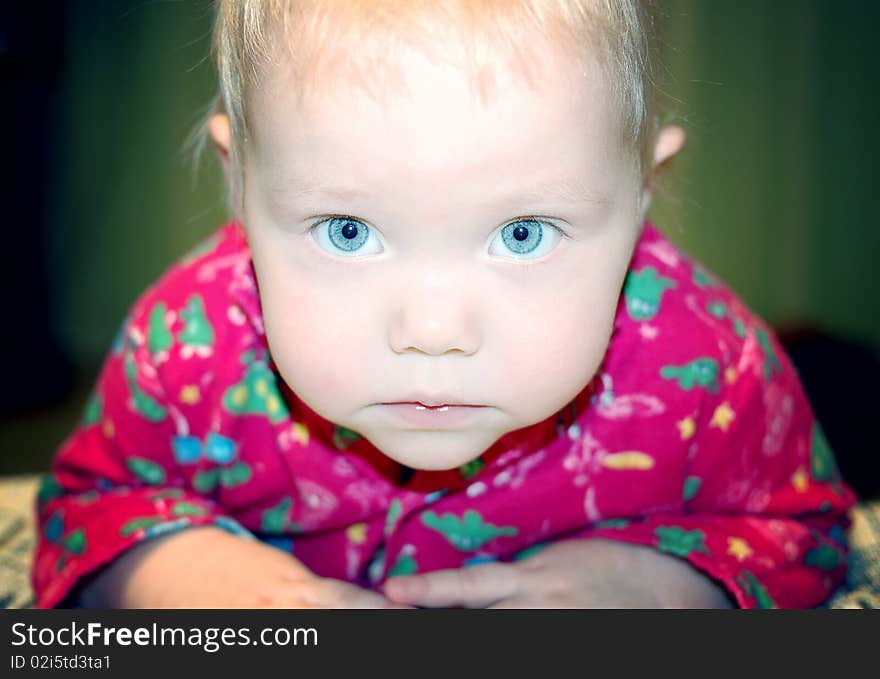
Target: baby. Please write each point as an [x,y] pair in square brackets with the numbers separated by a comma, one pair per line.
[439,358]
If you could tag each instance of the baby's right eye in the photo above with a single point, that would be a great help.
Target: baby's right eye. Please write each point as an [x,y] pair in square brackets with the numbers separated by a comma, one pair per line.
[346,236]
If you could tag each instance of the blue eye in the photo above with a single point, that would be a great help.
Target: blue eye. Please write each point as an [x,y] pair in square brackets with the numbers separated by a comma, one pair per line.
[345,235]
[526,237]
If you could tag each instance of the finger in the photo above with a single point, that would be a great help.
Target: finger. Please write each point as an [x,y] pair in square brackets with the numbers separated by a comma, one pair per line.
[330,593]
[351,596]
[535,602]
[473,587]
[512,602]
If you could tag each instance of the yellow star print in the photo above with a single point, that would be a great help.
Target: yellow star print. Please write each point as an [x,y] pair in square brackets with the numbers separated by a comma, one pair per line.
[630,459]
[738,548]
[357,532]
[722,417]
[730,375]
[299,432]
[273,404]
[799,480]
[190,395]
[239,395]
[686,427]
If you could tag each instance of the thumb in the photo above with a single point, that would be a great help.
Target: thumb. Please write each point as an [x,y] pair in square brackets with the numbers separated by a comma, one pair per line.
[472,587]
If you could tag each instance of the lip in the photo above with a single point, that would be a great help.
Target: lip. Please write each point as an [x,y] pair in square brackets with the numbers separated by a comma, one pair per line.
[433,401]
[423,416]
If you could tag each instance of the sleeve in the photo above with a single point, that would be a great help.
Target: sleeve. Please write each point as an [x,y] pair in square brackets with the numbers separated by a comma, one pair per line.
[114,482]
[764,510]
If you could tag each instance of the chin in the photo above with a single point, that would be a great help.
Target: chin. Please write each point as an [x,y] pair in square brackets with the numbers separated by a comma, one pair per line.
[432,450]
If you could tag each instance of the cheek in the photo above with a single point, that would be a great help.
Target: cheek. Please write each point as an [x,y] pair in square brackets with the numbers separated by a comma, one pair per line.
[318,344]
[555,349]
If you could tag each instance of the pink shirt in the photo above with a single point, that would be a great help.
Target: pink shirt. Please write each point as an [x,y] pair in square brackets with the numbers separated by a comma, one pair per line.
[695,437]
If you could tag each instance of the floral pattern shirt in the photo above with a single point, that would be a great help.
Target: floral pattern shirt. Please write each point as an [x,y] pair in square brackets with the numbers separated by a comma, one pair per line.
[694,437]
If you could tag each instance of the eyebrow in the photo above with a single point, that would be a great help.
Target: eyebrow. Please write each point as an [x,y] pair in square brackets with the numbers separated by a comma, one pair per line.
[561,189]
[564,189]
[306,190]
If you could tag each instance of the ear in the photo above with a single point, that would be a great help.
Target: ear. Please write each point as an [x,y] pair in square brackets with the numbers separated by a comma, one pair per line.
[218,126]
[221,134]
[670,140]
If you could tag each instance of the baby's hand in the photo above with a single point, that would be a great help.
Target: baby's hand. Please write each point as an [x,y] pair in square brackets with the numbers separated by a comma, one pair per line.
[222,571]
[588,573]
[316,592]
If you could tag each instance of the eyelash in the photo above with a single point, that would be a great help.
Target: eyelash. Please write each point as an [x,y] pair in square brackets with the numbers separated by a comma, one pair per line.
[526,262]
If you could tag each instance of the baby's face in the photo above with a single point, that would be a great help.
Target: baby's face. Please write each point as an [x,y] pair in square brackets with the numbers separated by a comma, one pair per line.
[433,247]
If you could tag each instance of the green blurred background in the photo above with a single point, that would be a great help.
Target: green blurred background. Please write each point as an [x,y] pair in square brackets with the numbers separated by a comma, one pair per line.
[774,191]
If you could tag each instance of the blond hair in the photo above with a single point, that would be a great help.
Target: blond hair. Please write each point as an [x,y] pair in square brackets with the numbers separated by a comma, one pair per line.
[250,35]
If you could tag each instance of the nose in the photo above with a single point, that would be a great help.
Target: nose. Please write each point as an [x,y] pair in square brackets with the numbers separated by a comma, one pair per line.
[435,314]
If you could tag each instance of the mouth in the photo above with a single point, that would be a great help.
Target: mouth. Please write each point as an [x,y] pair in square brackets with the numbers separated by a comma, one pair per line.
[421,415]
[436,407]
[435,401]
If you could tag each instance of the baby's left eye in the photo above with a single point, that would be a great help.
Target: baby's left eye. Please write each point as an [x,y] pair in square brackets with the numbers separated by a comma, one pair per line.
[525,238]
[346,237]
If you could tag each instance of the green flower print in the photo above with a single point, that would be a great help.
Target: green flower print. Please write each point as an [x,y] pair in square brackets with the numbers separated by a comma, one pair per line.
[470,469]
[197,333]
[205,481]
[754,588]
[702,279]
[643,291]
[614,524]
[531,551]
[188,509]
[138,524]
[771,362]
[720,311]
[92,413]
[147,471]
[159,337]
[142,403]
[343,438]
[75,541]
[405,565]
[823,557]
[275,519]
[49,489]
[236,475]
[822,464]
[691,487]
[468,533]
[256,393]
[679,541]
[394,512]
[701,372]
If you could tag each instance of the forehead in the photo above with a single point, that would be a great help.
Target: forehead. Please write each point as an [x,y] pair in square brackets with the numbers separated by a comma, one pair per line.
[434,115]
[369,40]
